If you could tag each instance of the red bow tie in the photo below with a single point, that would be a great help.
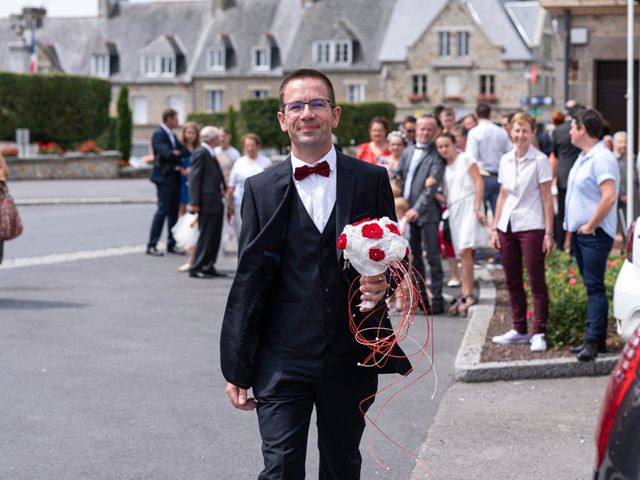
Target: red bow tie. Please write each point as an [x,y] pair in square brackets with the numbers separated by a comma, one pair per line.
[303,172]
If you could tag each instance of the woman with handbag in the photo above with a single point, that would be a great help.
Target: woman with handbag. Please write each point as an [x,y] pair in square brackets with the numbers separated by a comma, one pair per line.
[464,192]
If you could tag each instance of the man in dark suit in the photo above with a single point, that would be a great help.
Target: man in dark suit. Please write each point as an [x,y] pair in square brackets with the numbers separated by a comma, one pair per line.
[419,163]
[565,154]
[285,331]
[167,159]
[206,190]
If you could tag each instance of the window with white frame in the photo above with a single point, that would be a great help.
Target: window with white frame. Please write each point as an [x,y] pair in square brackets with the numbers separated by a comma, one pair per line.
[322,52]
[342,54]
[259,93]
[100,65]
[140,109]
[177,103]
[452,86]
[149,67]
[487,84]
[339,52]
[444,44]
[355,92]
[167,65]
[261,58]
[217,59]
[463,44]
[214,100]
[419,85]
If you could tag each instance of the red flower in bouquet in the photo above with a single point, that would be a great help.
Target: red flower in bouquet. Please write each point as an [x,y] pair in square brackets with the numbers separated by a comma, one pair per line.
[376,254]
[372,230]
[342,242]
[392,228]
[360,222]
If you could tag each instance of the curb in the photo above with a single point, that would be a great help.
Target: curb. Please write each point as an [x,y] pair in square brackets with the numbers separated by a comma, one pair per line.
[468,367]
[84,201]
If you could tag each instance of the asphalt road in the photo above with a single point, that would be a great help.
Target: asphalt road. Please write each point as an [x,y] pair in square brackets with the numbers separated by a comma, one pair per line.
[110,364]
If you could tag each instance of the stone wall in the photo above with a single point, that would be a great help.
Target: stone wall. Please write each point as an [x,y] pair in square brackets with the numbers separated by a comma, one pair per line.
[68,166]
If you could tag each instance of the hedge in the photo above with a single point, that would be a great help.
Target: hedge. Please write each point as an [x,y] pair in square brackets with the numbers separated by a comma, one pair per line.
[203,119]
[62,108]
[259,115]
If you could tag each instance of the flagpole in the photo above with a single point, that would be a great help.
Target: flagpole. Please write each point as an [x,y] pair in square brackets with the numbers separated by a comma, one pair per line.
[630,109]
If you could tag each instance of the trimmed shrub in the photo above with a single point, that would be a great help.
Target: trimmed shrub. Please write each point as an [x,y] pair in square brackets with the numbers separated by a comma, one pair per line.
[354,121]
[202,119]
[124,129]
[259,115]
[64,108]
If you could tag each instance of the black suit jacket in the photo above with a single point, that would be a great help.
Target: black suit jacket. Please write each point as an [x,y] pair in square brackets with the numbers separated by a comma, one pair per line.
[165,163]
[421,198]
[205,182]
[565,152]
[363,191]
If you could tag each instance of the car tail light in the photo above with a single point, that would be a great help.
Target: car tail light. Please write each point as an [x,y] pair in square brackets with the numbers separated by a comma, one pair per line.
[630,233]
[621,379]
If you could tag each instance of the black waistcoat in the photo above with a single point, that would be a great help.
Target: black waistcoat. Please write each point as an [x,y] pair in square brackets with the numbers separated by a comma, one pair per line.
[306,308]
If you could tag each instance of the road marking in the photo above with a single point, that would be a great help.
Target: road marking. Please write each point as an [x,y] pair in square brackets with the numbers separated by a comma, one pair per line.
[71,256]
[28,202]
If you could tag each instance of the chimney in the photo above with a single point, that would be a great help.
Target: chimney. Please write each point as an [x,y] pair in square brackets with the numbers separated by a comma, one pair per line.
[108,8]
[218,5]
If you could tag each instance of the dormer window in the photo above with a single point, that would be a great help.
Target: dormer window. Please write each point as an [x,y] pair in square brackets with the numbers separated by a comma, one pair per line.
[261,58]
[332,52]
[217,59]
[149,66]
[167,66]
[100,65]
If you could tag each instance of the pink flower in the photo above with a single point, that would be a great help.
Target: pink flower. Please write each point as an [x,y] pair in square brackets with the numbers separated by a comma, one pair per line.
[342,242]
[376,254]
[572,281]
[528,314]
[572,272]
[392,228]
[372,230]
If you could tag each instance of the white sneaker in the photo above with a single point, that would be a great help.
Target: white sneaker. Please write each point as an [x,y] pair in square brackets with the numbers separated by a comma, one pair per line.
[511,337]
[184,268]
[538,343]
[453,283]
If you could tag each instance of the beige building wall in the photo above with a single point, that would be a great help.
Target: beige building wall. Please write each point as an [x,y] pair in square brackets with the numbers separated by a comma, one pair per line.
[484,59]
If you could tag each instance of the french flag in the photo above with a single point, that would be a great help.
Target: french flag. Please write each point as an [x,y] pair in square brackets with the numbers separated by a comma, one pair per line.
[33,50]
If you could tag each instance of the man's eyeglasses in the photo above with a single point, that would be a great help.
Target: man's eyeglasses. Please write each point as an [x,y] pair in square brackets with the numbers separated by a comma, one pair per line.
[315,105]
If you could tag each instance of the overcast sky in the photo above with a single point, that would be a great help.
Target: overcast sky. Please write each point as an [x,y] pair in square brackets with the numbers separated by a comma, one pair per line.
[55,8]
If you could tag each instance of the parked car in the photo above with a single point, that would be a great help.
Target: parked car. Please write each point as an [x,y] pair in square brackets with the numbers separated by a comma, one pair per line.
[626,293]
[618,437]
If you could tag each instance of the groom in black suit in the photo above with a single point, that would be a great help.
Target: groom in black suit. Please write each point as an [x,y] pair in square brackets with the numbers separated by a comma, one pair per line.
[167,159]
[285,332]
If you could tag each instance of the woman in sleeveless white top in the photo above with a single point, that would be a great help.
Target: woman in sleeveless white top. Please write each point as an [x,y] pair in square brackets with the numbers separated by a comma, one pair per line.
[464,190]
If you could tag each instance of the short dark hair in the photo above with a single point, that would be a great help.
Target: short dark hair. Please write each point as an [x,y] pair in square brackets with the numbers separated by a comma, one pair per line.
[307,73]
[459,128]
[591,120]
[380,120]
[449,136]
[432,117]
[409,119]
[483,110]
[168,113]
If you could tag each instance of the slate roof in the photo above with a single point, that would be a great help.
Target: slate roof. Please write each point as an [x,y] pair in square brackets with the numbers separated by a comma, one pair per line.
[528,18]
[411,19]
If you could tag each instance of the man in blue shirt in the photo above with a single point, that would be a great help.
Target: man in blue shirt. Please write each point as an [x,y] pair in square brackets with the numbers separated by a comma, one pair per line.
[590,216]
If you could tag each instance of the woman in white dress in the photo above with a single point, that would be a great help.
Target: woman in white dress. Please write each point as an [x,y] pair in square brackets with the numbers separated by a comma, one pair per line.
[246,166]
[464,190]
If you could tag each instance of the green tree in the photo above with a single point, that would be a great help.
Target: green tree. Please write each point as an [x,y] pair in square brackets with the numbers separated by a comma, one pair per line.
[231,127]
[123,123]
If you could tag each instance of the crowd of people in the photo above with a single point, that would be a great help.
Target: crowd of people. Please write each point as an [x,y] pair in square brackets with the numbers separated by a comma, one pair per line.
[460,185]
[518,187]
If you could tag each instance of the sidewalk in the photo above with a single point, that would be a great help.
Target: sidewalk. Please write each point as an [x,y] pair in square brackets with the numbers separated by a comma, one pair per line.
[79,192]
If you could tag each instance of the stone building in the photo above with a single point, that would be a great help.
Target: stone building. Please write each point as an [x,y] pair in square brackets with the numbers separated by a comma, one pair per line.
[589,54]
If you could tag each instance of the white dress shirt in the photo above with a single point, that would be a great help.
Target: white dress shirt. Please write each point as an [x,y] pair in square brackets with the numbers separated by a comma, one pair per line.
[521,179]
[172,138]
[487,143]
[318,193]
[418,151]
